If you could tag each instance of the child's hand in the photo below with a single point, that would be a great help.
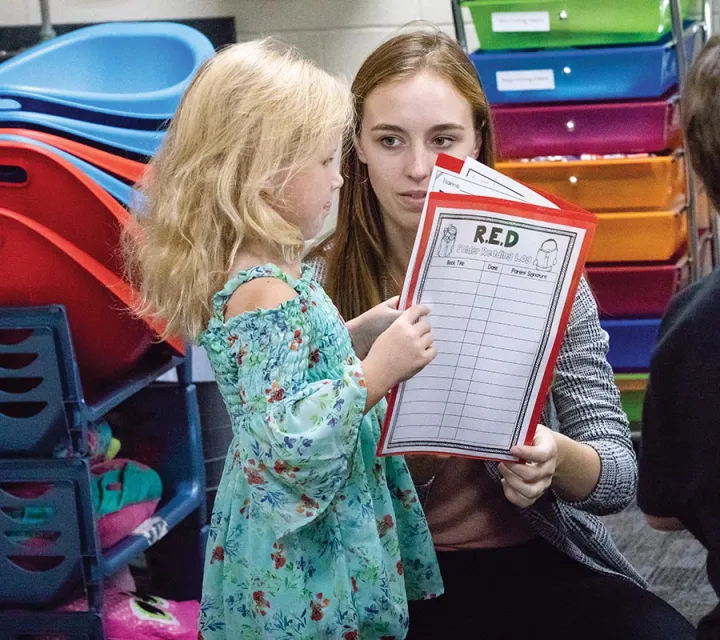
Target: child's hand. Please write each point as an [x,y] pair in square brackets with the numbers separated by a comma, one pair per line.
[405,348]
[365,329]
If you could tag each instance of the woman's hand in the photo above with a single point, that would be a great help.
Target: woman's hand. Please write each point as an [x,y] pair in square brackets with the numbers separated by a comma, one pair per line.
[571,467]
[365,329]
[523,484]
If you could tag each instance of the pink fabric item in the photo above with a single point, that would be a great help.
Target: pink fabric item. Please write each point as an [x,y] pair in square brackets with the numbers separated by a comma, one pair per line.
[127,616]
[113,527]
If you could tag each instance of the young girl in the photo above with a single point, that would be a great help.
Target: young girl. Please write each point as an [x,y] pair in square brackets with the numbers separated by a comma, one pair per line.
[312,536]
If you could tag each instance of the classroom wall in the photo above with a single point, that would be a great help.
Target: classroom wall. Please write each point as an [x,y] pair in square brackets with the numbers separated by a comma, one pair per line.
[336,33]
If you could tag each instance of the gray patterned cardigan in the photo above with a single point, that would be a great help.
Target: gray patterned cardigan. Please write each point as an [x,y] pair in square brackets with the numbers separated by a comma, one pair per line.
[584,404]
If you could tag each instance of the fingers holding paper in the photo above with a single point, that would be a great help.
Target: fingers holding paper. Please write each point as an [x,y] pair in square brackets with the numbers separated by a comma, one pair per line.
[522,483]
[366,328]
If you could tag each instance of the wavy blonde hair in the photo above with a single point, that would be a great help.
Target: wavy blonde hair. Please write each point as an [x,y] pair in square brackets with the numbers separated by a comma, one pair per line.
[255,113]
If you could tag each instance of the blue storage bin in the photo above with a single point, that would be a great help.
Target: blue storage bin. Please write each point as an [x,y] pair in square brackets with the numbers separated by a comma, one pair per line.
[583,74]
[41,399]
[39,384]
[160,426]
[47,542]
[108,73]
[68,626]
[631,343]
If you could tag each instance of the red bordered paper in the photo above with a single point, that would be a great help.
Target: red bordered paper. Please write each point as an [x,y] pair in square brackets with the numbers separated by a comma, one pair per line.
[500,277]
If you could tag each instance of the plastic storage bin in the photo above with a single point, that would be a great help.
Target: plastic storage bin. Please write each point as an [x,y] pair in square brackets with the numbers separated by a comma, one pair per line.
[160,426]
[607,184]
[584,75]
[41,398]
[48,545]
[38,385]
[632,393]
[631,343]
[529,24]
[576,129]
[38,626]
[642,236]
[48,538]
[637,290]
[643,290]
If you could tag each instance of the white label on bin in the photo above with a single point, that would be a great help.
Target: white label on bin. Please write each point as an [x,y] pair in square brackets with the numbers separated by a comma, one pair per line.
[520,21]
[153,529]
[530,80]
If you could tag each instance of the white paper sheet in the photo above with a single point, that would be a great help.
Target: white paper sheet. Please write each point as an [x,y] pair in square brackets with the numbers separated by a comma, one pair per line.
[496,285]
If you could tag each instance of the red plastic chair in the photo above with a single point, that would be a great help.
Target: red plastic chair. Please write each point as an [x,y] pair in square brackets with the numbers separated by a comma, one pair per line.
[129,170]
[38,267]
[50,190]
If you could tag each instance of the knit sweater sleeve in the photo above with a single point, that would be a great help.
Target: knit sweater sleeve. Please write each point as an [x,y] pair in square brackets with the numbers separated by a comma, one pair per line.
[588,407]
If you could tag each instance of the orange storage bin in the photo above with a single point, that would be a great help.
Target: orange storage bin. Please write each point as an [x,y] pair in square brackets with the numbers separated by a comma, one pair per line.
[607,184]
[638,236]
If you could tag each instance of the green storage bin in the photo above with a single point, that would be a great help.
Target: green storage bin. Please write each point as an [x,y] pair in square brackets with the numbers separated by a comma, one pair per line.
[530,24]
[632,393]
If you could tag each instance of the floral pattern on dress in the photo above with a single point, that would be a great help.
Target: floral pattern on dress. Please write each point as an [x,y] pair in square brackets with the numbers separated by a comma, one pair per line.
[312,536]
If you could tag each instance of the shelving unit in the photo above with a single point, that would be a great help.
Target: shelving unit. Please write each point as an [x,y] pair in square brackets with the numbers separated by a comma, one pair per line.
[47,558]
[683,65]
[606,80]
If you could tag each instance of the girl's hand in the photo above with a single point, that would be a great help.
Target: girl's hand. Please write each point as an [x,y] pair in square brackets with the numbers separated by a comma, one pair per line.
[366,328]
[405,348]
[523,484]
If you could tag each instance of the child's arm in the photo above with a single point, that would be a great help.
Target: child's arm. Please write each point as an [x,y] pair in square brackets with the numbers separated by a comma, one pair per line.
[298,438]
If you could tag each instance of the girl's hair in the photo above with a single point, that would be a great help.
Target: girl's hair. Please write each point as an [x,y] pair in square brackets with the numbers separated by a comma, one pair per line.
[357,253]
[254,114]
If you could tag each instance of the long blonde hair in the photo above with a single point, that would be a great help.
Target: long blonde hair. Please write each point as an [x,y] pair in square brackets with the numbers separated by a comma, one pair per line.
[255,113]
[357,255]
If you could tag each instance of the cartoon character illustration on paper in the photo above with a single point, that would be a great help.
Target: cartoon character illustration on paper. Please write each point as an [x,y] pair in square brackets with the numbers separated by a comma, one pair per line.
[447,243]
[546,257]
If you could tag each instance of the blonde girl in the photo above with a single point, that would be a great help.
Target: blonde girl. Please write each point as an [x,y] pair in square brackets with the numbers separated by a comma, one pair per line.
[312,536]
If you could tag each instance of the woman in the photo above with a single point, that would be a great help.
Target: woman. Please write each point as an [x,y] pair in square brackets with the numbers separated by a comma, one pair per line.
[511,538]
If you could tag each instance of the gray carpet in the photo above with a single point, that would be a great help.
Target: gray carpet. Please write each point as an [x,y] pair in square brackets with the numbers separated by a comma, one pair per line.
[672,563]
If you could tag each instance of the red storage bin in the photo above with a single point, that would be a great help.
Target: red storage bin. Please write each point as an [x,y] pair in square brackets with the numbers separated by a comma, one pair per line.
[50,190]
[38,267]
[596,128]
[643,290]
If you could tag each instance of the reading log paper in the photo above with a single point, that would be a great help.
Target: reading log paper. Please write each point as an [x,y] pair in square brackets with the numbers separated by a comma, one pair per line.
[499,277]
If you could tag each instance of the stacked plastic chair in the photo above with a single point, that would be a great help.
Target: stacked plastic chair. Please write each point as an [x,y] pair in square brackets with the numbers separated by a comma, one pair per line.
[78,115]
[585,101]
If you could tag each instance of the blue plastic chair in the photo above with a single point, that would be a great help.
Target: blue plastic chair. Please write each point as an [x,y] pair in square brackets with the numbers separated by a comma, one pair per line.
[113,139]
[120,70]
[116,188]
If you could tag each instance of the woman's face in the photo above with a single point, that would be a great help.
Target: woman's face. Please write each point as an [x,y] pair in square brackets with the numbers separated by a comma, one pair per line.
[406,123]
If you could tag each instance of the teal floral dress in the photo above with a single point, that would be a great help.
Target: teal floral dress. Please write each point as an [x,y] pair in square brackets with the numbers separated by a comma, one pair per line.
[312,535]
